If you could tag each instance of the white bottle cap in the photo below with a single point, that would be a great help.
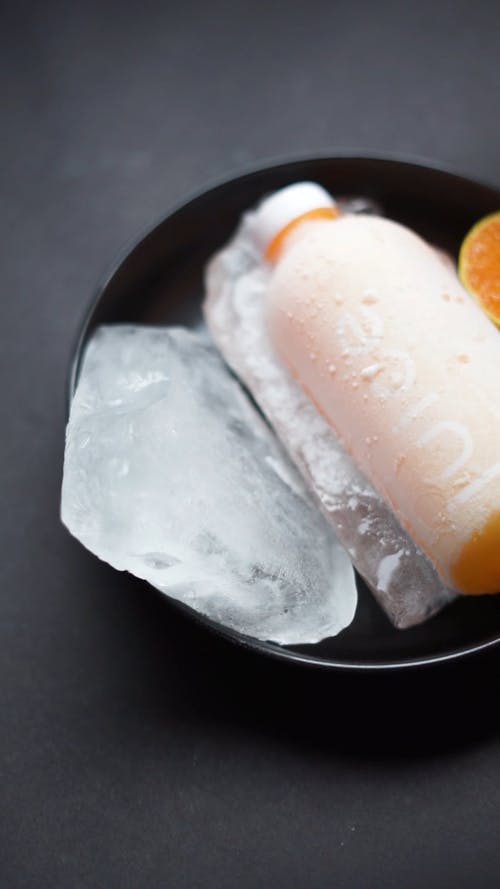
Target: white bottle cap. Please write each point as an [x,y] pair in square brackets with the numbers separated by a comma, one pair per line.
[278,211]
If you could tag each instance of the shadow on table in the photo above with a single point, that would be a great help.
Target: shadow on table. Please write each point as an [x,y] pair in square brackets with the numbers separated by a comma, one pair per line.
[423,712]
[170,667]
[429,712]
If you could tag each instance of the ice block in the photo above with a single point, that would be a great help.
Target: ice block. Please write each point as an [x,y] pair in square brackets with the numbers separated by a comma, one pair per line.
[171,474]
[403,365]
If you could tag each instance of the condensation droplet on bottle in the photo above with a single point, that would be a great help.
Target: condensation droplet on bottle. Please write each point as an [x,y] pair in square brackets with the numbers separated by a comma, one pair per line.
[368,373]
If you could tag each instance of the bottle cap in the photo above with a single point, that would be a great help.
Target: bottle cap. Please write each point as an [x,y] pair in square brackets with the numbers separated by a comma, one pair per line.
[278,214]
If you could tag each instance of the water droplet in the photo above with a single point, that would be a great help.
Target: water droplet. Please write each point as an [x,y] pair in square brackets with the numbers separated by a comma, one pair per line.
[368,373]
[331,368]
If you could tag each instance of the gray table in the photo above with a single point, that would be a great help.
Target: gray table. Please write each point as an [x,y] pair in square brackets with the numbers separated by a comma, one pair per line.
[135,749]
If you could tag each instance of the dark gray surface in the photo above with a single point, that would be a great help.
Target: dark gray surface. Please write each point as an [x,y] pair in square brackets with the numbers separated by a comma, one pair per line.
[136,750]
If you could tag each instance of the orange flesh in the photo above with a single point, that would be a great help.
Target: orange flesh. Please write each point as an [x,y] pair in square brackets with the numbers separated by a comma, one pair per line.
[479,264]
[274,247]
[477,569]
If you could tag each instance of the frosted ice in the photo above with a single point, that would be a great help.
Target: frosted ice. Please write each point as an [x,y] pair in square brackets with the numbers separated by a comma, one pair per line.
[170,473]
[399,574]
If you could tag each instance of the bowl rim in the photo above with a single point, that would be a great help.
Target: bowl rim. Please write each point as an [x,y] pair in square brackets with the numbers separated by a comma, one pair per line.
[237,176]
[300,658]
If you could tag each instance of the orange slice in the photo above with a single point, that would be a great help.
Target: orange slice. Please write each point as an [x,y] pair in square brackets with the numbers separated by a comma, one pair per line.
[479,264]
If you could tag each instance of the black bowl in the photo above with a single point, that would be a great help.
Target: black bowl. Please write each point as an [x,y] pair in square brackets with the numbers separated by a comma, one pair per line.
[160,281]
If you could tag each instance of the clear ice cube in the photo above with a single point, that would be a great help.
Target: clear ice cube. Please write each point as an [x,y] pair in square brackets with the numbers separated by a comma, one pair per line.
[171,473]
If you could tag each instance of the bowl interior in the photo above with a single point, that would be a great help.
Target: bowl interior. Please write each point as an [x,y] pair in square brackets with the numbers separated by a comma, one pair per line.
[160,281]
